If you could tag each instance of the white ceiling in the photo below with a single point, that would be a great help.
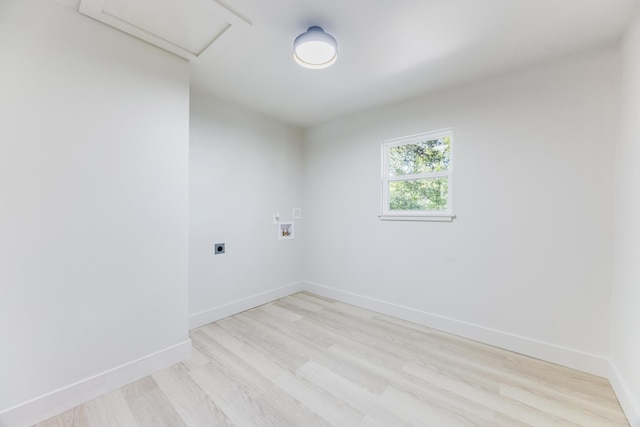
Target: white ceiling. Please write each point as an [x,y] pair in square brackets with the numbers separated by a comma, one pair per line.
[391,50]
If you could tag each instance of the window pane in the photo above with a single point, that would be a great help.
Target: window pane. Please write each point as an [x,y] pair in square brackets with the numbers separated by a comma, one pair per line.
[420,157]
[419,195]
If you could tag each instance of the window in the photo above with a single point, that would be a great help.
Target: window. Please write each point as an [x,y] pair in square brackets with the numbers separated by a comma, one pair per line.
[416,177]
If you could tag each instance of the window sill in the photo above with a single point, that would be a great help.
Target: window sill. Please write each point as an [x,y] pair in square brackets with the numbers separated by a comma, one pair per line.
[421,218]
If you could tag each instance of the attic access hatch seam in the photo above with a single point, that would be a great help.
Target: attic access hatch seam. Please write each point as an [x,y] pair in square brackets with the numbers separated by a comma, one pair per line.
[193,29]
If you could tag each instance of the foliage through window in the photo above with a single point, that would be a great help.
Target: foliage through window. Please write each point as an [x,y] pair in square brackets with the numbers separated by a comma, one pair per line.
[416,174]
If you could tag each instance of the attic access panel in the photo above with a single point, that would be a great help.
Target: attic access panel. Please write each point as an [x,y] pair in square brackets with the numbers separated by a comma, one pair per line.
[191,29]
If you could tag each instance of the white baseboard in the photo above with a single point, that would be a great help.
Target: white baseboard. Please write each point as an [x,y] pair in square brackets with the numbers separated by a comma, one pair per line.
[229,309]
[53,403]
[571,358]
[630,405]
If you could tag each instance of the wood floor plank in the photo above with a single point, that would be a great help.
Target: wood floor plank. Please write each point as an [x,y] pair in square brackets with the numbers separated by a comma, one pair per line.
[110,410]
[342,389]
[262,393]
[448,402]
[254,358]
[281,313]
[330,322]
[309,347]
[491,400]
[560,376]
[334,412]
[149,405]
[257,335]
[188,398]
[307,360]
[75,417]
[502,420]
[420,413]
[330,336]
[236,402]
[579,415]
[289,328]
[303,304]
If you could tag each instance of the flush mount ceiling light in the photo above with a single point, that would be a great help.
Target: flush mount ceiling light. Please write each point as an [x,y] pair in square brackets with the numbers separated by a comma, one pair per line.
[315,49]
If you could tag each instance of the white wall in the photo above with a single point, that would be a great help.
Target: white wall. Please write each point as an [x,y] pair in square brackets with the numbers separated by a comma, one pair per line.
[93,201]
[530,252]
[243,168]
[625,330]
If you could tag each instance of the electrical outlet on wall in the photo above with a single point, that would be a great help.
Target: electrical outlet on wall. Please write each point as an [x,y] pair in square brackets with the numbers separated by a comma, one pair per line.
[276,218]
[296,213]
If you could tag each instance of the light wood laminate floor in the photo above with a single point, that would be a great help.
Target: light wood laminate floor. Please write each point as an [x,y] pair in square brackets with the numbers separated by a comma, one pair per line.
[306,361]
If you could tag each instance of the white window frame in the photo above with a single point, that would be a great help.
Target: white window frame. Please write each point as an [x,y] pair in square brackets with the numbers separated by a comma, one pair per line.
[389,215]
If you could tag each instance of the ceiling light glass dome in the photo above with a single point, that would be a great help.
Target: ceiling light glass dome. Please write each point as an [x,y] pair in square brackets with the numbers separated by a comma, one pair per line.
[315,49]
